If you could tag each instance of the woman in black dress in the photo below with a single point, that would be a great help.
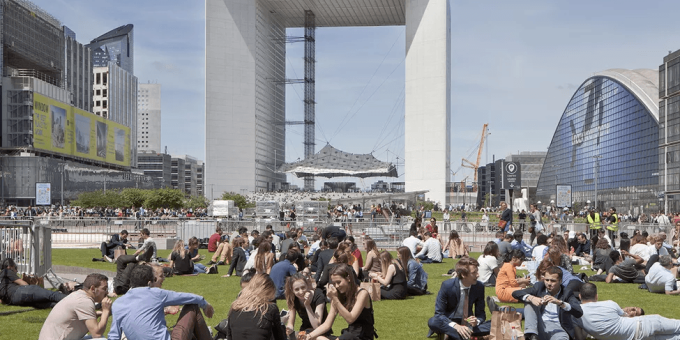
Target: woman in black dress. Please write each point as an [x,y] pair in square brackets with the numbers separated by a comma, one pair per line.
[304,300]
[253,315]
[350,302]
[392,278]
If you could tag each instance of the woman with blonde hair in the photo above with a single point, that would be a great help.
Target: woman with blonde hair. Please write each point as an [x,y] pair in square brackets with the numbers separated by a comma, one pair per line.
[264,260]
[455,246]
[180,259]
[253,315]
[392,278]
[372,263]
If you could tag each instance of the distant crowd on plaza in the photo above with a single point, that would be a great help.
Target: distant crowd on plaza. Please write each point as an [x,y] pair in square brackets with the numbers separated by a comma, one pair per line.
[69,212]
[323,274]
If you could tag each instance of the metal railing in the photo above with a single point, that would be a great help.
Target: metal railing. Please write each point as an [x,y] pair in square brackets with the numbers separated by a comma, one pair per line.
[28,244]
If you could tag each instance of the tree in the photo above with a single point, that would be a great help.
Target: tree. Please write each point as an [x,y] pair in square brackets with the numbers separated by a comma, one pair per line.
[110,198]
[164,198]
[239,200]
[134,197]
[195,202]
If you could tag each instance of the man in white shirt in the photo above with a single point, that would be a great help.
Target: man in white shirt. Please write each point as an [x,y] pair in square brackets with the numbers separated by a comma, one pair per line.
[432,250]
[539,249]
[147,252]
[74,316]
[605,320]
[662,219]
[412,242]
[661,279]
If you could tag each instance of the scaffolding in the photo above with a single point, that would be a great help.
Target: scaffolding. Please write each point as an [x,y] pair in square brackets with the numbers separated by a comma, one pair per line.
[310,100]
[32,40]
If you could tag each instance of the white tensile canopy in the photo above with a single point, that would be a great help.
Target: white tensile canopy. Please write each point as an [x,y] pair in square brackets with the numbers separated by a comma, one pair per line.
[331,162]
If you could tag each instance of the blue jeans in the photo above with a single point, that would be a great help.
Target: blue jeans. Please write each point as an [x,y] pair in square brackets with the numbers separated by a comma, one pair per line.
[35,296]
[199,268]
[440,324]
[533,323]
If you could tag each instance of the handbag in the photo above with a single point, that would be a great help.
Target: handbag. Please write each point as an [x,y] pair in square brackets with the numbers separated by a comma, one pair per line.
[502,224]
[33,280]
[118,251]
[373,289]
[506,324]
[539,226]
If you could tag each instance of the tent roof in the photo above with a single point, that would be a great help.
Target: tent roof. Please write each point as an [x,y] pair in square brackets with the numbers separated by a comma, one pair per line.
[331,162]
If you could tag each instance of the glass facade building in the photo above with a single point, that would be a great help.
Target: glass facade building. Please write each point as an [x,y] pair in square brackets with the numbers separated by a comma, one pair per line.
[608,140]
[669,130]
[116,45]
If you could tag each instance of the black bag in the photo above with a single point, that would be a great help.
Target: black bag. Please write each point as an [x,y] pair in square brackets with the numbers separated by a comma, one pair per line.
[213,269]
[221,329]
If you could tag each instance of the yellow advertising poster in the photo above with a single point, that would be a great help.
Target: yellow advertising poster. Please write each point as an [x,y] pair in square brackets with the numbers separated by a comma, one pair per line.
[64,129]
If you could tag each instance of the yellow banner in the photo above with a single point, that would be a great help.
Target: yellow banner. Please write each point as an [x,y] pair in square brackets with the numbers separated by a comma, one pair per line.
[64,129]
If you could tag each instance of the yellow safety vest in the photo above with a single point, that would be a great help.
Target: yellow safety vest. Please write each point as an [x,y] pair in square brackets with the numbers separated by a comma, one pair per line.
[594,224]
[615,225]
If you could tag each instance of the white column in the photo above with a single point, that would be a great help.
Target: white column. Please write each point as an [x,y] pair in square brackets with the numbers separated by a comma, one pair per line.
[427,101]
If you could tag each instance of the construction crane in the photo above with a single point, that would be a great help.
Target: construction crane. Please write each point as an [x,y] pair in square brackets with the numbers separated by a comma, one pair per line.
[475,166]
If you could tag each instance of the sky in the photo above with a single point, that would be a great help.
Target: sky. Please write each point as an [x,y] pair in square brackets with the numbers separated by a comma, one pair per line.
[514,65]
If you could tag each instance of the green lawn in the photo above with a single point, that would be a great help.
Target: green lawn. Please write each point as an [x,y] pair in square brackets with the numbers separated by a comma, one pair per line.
[405,319]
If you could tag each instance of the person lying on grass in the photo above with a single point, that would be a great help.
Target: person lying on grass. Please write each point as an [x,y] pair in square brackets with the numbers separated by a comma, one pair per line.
[17,292]
[350,302]
[302,299]
[392,278]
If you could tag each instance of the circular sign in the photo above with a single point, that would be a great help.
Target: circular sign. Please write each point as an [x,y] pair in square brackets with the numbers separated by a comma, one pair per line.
[511,168]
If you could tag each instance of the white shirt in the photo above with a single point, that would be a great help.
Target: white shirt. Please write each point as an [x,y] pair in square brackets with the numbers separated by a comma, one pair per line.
[487,264]
[603,320]
[446,216]
[641,250]
[251,260]
[537,253]
[660,279]
[313,248]
[432,249]
[412,243]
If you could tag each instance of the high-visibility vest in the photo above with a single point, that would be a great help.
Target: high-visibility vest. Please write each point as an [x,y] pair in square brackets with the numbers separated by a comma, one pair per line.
[614,226]
[594,224]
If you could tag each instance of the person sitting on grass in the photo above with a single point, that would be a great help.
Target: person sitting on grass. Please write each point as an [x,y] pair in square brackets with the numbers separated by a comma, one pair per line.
[264,259]
[417,277]
[539,250]
[180,259]
[349,301]
[344,248]
[608,321]
[662,277]
[601,260]
[309,303]
[464,291]
[455,247]
[639,247]
[139,313]
[432,250]
[238,260]
[195,256]
[392,278]
[519,244]
[625,270]
[488,264]
[253,315]
[549,308]
[15,291]
[116,240]
[355,250]
[75,315]
[282,270]
[507,281]
[147,252]
[372,264]
[220,247]
[553,258]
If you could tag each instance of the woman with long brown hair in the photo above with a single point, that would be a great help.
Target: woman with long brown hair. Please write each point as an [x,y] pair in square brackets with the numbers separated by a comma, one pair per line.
[392,278]
[253,315]
[264,260]
[455,246]
[560,244]
[350,302]
[372,264]
[309,303]
[417,277]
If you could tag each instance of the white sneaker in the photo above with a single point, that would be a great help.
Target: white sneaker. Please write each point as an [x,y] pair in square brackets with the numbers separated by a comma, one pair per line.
[108,259]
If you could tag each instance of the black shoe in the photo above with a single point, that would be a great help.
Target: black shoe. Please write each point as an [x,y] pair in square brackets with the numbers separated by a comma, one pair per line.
[221,263]
[94,259]
[530,336]
[211,262]
[492,304]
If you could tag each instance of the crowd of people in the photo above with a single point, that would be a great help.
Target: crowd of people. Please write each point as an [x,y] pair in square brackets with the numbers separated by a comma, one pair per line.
[71,212]
[323,275]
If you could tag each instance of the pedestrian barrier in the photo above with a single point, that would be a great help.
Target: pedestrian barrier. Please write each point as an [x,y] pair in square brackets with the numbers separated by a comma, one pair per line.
[28,244]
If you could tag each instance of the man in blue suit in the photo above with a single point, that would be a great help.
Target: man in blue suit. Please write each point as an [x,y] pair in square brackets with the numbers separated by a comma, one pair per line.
[549,308]
[453,312]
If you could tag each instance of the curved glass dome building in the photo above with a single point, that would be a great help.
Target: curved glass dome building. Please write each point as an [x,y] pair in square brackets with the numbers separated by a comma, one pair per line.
[609,135]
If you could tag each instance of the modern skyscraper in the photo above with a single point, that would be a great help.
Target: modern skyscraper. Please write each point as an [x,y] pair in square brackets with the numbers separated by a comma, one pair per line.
[77,74]
[669,131]
[116,45]
[149,117]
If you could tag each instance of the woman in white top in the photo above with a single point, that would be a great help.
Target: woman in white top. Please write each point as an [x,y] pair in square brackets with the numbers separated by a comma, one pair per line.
[488,264]
[639,247]
[485,219]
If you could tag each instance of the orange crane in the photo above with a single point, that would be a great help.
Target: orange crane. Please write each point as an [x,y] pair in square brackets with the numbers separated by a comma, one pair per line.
[475,165]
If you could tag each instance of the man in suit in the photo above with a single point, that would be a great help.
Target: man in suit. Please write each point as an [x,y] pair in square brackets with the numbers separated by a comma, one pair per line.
[549,308]
[453,312]
[325,256]
[117,240]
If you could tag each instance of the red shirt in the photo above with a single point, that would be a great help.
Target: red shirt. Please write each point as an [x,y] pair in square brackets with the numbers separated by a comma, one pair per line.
[213,241]
[357,254]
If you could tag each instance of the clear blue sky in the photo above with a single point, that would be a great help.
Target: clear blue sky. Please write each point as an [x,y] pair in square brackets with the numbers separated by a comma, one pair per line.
[515,65]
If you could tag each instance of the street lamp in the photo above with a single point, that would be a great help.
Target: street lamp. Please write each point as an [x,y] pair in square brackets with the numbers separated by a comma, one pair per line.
[596,171]
[62,169]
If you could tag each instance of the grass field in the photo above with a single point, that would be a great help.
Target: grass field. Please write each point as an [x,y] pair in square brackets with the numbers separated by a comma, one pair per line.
[406,319]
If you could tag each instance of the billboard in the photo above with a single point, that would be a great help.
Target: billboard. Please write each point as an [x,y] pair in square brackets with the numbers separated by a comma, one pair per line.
[64,129]
[563,195]
[42,194]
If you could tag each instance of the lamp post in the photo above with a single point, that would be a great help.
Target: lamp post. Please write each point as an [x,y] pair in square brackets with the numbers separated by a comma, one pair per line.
[62,169]
[597,173]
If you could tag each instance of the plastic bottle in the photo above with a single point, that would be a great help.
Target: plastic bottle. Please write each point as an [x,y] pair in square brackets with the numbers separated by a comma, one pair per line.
[513,334]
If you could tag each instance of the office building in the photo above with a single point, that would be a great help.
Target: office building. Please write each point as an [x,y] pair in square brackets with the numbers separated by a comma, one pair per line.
[606,144]
[669,131]
[245,92]
[115,46]
[77,74]
[531,164]
[187,175]
[149,117]
[156,165]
